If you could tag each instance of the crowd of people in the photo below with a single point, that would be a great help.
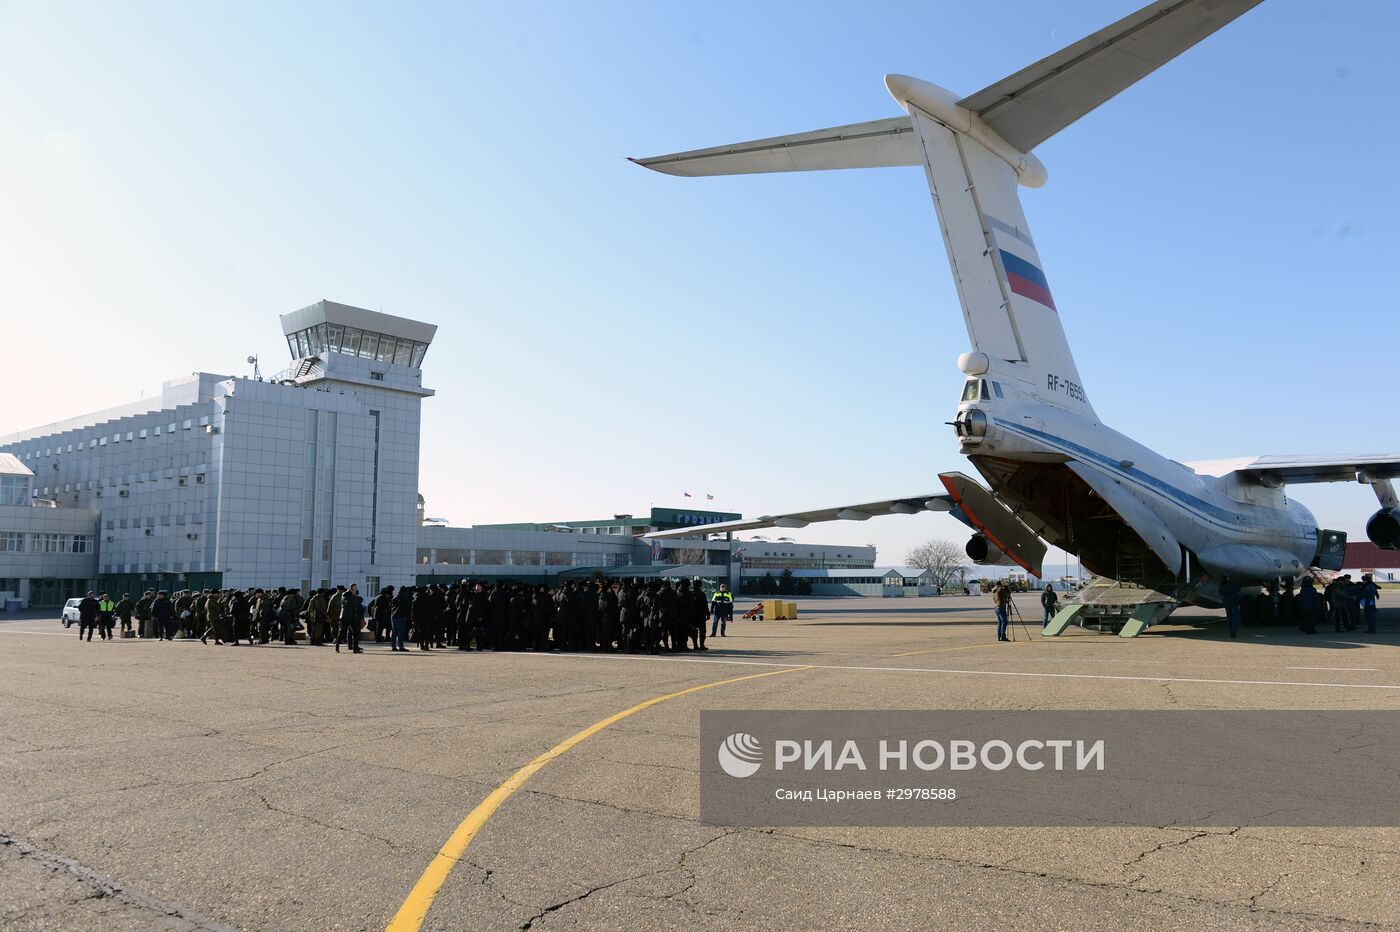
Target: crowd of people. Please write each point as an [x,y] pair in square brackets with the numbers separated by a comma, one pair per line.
[1343,603]
[590,615]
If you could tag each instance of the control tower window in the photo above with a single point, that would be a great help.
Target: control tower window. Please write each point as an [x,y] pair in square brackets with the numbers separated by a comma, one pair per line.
[352,341]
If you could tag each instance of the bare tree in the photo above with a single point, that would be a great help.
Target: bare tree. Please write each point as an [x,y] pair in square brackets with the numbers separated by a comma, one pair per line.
[688,556]
[945,558]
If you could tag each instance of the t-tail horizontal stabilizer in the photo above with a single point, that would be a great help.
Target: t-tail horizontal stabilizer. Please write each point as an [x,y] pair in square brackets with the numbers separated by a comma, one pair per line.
[888,143]
[996,522]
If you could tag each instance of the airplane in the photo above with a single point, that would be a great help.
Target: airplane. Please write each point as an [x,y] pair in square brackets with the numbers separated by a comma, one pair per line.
[1054,473]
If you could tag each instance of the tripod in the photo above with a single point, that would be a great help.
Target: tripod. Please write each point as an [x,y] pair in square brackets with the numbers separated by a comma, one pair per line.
[1016,614]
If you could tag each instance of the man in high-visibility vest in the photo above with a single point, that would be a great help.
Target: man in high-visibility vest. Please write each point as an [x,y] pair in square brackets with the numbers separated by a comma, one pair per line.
[722,608]
[105,608]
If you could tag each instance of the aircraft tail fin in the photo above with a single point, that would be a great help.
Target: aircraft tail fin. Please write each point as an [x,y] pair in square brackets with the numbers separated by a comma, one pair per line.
[976,152]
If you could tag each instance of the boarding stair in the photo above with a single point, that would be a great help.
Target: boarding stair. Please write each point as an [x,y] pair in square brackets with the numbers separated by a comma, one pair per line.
[1118,607]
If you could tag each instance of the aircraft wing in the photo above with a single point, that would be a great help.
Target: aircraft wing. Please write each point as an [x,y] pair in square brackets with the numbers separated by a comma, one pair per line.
[877,144]
[1283,470]
[1037,102]
[796,519]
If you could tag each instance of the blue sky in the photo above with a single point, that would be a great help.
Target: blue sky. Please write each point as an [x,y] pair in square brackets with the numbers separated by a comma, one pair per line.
[172,177]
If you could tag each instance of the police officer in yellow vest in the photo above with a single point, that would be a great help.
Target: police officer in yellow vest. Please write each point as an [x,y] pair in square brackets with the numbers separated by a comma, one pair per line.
[105,608]
[722,608]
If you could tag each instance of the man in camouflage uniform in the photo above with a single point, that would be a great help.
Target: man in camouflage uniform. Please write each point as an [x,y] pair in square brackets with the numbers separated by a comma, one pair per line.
[287,611]
[184,612]
[212,617]
[262,616]
[333,612]
[124,609]
[316,618]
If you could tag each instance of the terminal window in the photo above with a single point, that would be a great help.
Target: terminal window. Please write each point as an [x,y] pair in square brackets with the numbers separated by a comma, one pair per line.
[14,490]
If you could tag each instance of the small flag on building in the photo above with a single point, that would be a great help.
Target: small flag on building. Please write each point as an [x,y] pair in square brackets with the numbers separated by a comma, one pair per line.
[709,497]
[687,495]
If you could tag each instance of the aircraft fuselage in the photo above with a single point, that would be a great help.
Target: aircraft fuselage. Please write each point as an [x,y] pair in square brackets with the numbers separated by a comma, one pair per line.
[1128,512]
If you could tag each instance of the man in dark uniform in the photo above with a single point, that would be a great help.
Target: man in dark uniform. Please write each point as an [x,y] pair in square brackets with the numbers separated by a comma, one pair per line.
[87,616]
[1309,607]
[476,619]
[423,615]
[699,614]
[163,616]
[564,618]
[653,633]
[1337,599]
[144,625]
[398,627]
[382,615]
[1230,598]
[669,614]
[518,636]
[584,603]
[242,612]
[541,617]
[1049,601]
[352,618]
[1288,605]
[684,598]
[1367,594]
[1353,596]
[609,611]
[629,616]
[403,617]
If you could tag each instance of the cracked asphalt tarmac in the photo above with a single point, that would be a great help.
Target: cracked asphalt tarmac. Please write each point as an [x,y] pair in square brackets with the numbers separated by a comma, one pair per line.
[179,786]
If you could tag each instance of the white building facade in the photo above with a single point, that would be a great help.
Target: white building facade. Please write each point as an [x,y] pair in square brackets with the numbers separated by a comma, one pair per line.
[307,479]
[47,554]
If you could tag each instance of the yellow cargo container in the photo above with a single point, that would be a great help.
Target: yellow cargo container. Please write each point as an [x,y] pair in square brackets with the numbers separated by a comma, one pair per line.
[790,610]
[773,609]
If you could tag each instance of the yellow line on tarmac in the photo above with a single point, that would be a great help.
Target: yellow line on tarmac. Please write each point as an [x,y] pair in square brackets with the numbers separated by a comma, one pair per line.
[415,908]
[940,650]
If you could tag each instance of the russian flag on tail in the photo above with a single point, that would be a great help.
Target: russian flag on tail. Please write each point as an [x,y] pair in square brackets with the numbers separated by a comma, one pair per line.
[1026,279]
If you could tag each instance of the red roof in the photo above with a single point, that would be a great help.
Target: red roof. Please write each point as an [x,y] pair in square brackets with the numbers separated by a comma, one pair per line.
[1367,556]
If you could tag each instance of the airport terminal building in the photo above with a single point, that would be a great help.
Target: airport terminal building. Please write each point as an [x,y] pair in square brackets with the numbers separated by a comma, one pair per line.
[306,479]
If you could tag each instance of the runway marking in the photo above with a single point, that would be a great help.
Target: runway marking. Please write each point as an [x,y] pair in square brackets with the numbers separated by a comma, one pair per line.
[47,634]
[940,650]
[415,908]
[1339,669]
[1012,673]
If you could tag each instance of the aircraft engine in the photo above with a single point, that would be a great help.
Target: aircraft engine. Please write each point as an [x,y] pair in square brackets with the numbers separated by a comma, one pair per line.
[984,553]
[1384,529]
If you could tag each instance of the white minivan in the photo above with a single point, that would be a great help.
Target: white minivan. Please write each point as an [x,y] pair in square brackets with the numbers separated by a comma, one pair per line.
[70,612]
